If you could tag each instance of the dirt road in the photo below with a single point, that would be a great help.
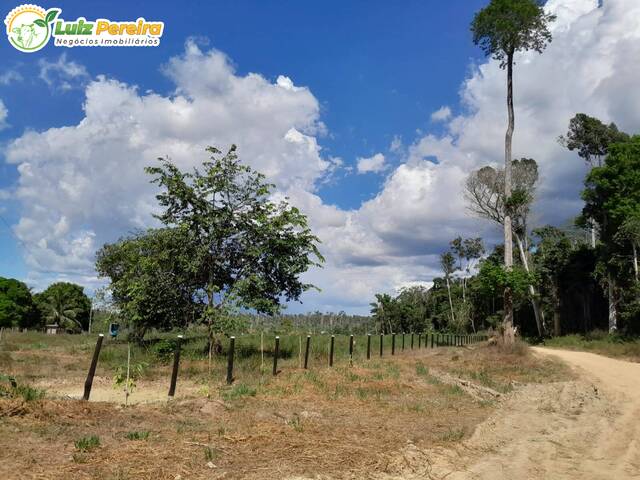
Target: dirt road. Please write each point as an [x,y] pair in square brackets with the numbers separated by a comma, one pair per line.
[585,429]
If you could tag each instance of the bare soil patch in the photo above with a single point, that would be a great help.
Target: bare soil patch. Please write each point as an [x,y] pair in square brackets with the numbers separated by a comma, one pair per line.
[586,428]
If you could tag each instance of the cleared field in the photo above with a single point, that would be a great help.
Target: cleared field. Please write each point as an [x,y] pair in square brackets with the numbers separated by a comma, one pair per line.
[343,422]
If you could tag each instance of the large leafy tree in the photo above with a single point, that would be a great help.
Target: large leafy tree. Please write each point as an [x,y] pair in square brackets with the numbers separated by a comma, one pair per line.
[152,279]
[65,304]
[385,311]
[501,29]
[17,308]
[553,251]
[414,303]
[591,138]
[409,311]
[612,195]
[246,249]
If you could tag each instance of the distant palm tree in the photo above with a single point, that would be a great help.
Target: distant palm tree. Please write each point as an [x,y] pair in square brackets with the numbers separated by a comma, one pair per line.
[381,310]
[61,309]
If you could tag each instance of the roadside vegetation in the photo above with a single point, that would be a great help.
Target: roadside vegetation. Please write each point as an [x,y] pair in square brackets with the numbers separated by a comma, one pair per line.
[616,346]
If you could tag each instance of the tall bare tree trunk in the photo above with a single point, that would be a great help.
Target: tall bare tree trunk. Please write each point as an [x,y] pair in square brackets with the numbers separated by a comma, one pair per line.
[453,318]
[464,287]
[508,241]
[556,310]
[556,321]
[613,305]
[535,300]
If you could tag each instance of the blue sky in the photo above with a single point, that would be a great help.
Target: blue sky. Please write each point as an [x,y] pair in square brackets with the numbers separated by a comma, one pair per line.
[372,74]
[378,68]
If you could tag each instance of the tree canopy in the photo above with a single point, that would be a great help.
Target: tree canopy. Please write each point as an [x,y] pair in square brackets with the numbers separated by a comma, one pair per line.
[591,138]
[227,244]
[152,279]
[65,304]
[506,26]
[17,308]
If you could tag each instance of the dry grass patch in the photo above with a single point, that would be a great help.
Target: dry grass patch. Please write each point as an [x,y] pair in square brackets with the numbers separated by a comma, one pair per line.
[345,422]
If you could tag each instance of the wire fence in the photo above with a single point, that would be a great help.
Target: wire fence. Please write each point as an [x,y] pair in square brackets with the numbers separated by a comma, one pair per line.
[271,354]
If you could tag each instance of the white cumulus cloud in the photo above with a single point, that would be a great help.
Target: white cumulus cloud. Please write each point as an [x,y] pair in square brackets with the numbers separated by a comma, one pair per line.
[442,114]
[373,164]
[4,113]
[63,74]
[82,185]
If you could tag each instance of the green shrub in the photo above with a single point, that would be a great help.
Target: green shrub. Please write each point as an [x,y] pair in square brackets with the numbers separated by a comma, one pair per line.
[238,391]
[9,387]
[138,435]
[163,349]
[87,444]
[29,394]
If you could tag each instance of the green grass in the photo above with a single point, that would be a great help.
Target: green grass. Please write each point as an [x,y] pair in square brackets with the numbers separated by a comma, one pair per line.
[600,342]
[238,391]
[143,435]
[423,371]
[29,394]
[87,444]
[23,355]
[9,387]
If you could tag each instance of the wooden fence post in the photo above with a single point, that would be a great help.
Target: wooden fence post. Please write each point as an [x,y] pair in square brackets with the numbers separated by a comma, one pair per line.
[261,353]
[275,356]
[351,350]
[306,352]
[333,339]
[402,340]
[230,353]
[393,344]
[92,368]
[419,341]
[176,364]
[381,342]
[368,346]
[411,340]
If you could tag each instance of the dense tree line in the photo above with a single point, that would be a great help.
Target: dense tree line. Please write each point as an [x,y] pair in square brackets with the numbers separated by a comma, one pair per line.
[575,278]
[62,303]
[557,282]
[310,322]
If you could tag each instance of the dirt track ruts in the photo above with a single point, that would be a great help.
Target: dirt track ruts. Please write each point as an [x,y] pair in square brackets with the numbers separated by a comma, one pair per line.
[586,429]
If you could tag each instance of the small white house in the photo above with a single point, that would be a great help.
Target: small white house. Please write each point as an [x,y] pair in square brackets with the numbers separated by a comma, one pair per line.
[53,329]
